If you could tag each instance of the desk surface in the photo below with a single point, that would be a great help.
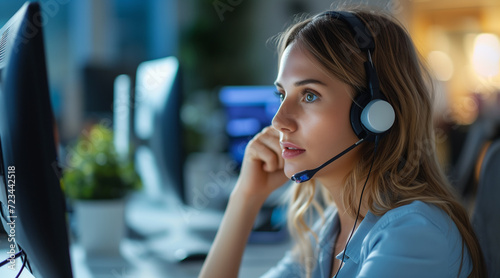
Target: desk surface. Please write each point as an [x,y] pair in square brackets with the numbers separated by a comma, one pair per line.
[148,257]
[134,262]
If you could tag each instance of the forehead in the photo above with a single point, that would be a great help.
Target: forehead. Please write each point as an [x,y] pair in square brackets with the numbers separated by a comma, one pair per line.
[297,62]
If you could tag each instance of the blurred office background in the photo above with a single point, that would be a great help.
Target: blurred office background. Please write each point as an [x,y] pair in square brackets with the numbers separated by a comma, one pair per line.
[225,43]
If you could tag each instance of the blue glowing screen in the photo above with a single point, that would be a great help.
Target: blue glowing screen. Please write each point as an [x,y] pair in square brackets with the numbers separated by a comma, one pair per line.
[248,110]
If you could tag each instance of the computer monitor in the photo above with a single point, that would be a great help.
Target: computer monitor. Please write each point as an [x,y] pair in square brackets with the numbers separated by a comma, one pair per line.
[248,110]
[32,204]
[158,128]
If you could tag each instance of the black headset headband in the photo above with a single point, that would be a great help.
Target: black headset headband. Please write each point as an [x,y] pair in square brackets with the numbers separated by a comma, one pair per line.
[361,34]
[365,42]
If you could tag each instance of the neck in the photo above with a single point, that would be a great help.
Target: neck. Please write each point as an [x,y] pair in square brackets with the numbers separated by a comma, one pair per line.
[336,188]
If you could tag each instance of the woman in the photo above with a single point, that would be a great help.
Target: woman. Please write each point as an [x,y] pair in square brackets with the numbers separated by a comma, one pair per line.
[390,212]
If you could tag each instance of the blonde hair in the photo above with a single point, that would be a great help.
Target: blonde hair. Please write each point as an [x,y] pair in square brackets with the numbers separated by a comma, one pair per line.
[405,167]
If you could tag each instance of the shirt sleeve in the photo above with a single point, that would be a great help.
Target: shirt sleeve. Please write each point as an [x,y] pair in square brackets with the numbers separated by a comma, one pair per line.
[411,247]
[287,267]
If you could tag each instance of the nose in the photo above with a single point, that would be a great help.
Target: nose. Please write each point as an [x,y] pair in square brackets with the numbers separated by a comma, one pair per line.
[284,120]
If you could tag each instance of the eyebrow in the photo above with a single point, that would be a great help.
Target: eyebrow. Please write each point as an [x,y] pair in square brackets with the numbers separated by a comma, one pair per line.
[302,83]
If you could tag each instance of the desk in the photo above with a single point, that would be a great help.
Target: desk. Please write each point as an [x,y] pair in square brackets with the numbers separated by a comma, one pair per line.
[151,257]
[136,262]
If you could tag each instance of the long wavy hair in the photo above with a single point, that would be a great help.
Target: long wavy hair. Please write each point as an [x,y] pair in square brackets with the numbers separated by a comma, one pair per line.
[405,167]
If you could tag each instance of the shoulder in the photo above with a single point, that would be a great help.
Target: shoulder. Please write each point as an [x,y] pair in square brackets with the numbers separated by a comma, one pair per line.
[419,235]
[418,214]
[417,224]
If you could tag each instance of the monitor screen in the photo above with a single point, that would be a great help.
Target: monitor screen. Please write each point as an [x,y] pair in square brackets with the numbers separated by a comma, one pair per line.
[32,203]
[158,129]
[248,110]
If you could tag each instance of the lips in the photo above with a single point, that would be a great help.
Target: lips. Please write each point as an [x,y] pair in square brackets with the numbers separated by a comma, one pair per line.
[290,150]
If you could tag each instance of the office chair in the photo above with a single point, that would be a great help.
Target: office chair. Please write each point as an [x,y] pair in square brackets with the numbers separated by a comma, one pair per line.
[462,174]
[486,215]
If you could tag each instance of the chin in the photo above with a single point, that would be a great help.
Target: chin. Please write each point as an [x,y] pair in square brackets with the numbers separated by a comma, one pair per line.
[290,171]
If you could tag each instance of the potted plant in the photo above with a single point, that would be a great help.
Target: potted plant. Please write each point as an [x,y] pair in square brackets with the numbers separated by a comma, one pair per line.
[98,181]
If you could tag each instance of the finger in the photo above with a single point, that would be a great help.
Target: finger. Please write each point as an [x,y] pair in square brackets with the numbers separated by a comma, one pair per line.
[277,146]
[272,141]
[270,137]
[266,155]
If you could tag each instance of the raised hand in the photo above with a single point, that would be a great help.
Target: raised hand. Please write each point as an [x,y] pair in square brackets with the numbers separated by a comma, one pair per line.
[262,169]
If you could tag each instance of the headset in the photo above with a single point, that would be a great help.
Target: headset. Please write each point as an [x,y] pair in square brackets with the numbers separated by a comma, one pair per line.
[371,115]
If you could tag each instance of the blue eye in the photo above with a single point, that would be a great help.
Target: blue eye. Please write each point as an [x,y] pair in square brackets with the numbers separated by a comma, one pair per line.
[280,95]
[310,97]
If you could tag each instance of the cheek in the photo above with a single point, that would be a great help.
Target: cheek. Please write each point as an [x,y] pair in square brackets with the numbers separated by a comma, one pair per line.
[330,134]
[330,127]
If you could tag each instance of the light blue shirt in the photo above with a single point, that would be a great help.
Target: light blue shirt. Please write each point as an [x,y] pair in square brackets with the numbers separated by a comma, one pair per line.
[415,240]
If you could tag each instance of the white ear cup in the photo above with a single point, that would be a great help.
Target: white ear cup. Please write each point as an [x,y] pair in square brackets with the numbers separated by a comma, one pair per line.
[378,116]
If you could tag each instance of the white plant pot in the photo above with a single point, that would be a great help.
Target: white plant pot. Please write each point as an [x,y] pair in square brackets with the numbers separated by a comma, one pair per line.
[100,226]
